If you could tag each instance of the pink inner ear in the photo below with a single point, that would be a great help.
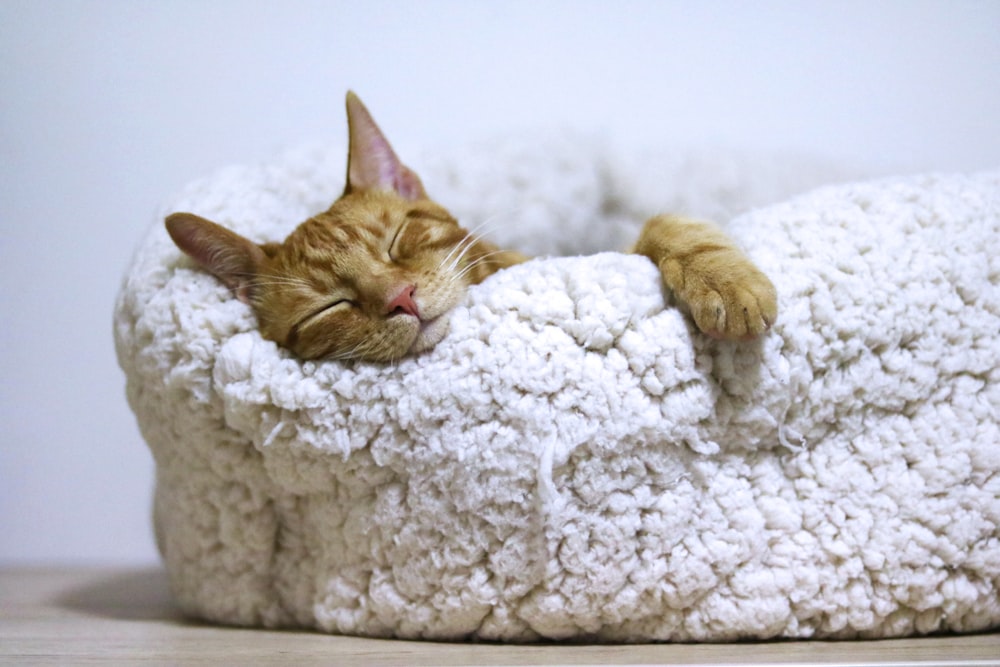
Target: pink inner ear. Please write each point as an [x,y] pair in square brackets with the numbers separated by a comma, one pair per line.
[233,259]
[373,165]
[379,161]
[408,185]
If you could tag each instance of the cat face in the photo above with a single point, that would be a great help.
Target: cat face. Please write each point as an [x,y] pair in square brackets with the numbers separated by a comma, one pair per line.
[372,278]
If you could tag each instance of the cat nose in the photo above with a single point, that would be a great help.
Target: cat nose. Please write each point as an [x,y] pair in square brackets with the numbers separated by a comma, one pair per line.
[403,302]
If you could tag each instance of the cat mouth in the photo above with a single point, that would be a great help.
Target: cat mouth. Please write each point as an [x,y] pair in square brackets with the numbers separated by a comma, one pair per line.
[430,333]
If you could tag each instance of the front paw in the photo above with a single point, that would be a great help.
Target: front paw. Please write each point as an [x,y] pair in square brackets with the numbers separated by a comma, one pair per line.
[738,306]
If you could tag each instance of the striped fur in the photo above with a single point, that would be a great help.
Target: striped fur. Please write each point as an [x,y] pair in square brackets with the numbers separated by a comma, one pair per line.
[375,275]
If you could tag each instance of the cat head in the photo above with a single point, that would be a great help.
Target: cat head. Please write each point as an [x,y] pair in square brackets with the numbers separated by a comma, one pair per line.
[371,278]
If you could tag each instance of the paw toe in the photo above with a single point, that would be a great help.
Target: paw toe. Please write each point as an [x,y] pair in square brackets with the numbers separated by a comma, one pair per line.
[736,312]
[710,314]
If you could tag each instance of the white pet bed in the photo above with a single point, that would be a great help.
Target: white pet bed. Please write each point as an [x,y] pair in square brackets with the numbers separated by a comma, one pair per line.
[574,460]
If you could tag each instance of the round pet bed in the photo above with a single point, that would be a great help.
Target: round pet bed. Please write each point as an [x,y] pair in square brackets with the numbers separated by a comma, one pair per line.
[574,460]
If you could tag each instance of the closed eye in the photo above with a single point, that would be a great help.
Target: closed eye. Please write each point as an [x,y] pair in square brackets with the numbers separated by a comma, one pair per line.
[393,245]
[339,303]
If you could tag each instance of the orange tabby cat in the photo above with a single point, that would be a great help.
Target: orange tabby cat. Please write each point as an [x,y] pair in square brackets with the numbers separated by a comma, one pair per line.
[375,276]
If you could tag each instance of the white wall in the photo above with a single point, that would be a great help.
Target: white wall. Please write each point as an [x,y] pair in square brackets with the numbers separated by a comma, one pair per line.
[107,107]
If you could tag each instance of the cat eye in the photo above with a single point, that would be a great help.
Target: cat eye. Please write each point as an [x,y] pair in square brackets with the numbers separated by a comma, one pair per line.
[323,309]
[393,251]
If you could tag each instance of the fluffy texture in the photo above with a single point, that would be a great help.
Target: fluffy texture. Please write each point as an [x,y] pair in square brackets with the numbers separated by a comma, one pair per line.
[574,460]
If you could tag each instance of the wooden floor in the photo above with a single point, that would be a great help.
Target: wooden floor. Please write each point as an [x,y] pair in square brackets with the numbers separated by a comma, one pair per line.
[94,616]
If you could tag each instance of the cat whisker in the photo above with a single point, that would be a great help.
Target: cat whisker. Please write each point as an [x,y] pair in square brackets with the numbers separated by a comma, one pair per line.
[486,226]
[472,236]
[482,259]
[482,230]
[461,248]
[351,353]
[468,242]
[464,247]
[496,217]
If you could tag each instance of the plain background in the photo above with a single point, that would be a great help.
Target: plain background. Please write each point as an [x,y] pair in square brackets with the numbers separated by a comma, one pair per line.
[109,107]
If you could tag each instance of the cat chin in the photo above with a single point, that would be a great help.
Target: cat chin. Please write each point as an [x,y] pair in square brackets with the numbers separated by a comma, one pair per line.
[430,334]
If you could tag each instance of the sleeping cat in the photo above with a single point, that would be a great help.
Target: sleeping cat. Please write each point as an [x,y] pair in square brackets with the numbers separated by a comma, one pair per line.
[375,276]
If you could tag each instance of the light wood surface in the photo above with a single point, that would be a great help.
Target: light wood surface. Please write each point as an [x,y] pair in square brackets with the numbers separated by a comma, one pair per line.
[103,616]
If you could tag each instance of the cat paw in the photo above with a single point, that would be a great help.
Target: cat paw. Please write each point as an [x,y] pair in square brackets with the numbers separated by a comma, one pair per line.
[737,308]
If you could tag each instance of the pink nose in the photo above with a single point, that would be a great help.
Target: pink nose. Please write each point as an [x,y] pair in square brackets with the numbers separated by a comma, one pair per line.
[403,302]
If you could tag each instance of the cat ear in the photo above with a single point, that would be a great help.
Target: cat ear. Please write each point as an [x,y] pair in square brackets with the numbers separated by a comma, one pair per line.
[371,162]
[233,259]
